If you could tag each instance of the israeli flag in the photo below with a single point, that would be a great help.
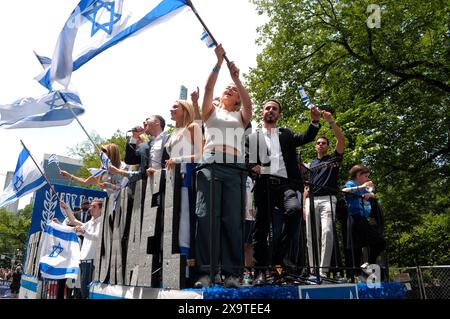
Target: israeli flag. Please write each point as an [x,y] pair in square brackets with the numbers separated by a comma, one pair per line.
[26,179]
[53,158]
[104,159]
[96,171]
[60,252]
[304,97]
[43,60]
[51,109]
[207,39]
[96,25]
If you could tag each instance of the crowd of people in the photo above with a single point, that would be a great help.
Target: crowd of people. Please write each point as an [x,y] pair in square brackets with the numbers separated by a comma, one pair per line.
[11,277]
[252,183]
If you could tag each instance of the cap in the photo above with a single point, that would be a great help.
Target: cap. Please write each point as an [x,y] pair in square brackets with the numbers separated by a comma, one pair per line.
[85,202]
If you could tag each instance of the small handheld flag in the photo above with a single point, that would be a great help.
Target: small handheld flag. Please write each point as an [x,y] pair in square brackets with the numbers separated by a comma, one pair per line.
[304,97]
[104,159]
[208,40]
[54,159]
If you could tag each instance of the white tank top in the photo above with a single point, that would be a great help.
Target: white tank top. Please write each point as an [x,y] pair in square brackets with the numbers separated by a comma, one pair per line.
[224,128]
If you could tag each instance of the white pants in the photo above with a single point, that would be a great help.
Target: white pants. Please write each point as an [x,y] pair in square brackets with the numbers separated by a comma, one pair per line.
[324,229]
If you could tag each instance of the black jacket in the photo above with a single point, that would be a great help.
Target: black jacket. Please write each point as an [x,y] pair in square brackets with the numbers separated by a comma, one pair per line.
[257,152]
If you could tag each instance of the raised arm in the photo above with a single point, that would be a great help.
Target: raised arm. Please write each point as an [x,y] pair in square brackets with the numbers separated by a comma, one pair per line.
[340,139]
[72,220]
[79,180]
[194,99]
[207,106]
[246,111]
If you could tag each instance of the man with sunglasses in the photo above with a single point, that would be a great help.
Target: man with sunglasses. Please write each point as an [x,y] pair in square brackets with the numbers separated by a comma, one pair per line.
[271,154]
[324,175]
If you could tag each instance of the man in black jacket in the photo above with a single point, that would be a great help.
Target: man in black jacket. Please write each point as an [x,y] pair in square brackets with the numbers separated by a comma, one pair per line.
[271,154]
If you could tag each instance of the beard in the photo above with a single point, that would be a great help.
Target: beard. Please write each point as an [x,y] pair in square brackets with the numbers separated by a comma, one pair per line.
[269,119]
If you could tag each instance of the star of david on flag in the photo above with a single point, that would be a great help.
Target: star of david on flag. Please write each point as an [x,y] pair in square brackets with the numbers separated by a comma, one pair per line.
[51,109]
[96,25]
[26,179]
[60,252]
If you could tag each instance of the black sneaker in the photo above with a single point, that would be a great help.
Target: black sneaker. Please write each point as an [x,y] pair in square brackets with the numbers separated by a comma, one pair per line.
[232,282]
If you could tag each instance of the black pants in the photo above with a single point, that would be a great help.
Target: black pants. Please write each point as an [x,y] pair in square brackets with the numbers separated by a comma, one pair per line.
[228,240]
[366,235]
[286,229]
[86,271]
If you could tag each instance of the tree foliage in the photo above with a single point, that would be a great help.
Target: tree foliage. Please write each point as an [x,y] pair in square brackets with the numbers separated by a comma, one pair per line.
[89,154]
[14,231]
[388,88]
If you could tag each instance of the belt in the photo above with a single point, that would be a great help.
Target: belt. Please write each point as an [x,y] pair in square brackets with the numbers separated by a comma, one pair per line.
[277,180]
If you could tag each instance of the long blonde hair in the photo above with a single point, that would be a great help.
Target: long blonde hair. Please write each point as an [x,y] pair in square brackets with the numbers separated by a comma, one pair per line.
[188,118]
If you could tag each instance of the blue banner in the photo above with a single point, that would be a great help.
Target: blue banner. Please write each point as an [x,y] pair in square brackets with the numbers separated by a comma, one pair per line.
[46,206]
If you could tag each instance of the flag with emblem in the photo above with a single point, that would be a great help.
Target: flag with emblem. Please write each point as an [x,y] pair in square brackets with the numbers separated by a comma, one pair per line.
[60,252]
[26,179]
[51,109]
[96,25]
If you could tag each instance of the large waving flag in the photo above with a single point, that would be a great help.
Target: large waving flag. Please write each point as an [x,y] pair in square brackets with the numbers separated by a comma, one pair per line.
[50,109]
[60,252]
[26,179]
[96,25]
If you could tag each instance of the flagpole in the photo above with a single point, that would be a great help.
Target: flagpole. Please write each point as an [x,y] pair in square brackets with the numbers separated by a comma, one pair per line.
[81,125]
[190,4]
[39,168]
[68,212]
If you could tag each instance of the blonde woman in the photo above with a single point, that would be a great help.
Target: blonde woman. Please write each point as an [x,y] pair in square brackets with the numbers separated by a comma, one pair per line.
[225,124]
[106,180]
[185,147]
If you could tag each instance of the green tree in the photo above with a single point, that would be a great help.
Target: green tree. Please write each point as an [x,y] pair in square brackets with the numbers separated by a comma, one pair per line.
[14,231]
[89,154]
[388,88]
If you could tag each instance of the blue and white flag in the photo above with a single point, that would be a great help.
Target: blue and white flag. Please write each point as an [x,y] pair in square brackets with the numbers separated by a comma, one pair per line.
[104,160]
[207,39]
[26,179]
[304,97]
[96,25]
[51,109]
[53,158]
[60,252]
[96,171]
[43,60]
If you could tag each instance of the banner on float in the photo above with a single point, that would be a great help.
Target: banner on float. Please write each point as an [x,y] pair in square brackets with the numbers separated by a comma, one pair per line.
[46,205]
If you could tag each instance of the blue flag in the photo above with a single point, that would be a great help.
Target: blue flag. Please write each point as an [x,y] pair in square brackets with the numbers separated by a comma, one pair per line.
[51,109]
[26,179]
[96,25]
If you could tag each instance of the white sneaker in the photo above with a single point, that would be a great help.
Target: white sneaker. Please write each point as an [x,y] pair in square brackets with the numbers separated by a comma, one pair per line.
[365,265]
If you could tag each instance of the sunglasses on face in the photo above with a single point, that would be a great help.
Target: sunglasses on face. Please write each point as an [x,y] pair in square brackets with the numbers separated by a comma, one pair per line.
[321,143]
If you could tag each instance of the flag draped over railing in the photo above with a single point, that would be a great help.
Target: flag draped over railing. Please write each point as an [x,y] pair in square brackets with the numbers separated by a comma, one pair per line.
[60,252]
[96,25]
[26,179]
[51,109]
